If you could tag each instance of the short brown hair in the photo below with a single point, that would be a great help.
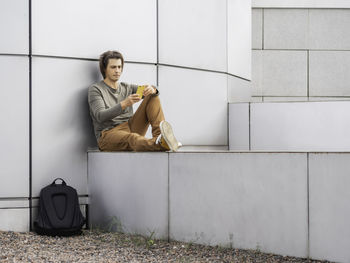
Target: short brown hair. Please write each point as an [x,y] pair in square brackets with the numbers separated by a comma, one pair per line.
[105,57]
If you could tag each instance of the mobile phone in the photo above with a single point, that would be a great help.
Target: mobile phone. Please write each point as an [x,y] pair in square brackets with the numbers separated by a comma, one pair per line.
[140,90]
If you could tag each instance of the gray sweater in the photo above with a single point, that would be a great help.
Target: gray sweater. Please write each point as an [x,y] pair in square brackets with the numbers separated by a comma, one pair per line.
[105,108]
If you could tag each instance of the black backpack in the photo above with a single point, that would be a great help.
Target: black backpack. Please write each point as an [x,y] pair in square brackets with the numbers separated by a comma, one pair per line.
[59,211]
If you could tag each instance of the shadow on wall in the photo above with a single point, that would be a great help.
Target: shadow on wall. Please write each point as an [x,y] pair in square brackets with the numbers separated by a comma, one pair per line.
[90,139]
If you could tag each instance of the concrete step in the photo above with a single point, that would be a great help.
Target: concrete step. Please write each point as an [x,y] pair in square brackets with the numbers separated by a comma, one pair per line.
[290,126]
[285,203]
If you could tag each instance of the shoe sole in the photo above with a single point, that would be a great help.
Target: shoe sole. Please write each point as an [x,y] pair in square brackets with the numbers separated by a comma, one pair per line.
[168,135]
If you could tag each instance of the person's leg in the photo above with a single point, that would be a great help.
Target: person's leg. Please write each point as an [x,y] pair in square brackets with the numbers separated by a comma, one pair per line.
[121,138]
[149,112]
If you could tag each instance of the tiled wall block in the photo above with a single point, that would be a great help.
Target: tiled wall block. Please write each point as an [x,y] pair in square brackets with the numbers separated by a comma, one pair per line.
[198,38]
[239,90]
[195,103]
[257,21]
[14,219]
[329,206]
[279,73]
[61,124]
[136,198]
[14,132]
[329,73]
[286,28]
[92,27]
[223,199]
[14,28]
[239,126]
[300,126]
[284,73]
[239,38]
[329,29]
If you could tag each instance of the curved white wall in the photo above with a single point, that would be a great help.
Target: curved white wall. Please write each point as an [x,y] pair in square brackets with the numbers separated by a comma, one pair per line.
[190,49]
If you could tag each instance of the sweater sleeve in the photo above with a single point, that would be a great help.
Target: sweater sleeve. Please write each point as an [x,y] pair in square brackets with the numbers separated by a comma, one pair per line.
[97,106]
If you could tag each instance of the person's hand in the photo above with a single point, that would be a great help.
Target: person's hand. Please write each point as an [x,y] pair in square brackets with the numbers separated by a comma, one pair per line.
[149,90]
[130,100]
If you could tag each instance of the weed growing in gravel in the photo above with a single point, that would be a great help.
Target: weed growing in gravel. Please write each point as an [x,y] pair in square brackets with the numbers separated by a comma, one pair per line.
[150,241]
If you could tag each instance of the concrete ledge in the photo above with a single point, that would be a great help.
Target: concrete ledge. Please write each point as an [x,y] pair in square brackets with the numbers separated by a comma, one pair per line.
[271,201]
[300,4]
[290,126]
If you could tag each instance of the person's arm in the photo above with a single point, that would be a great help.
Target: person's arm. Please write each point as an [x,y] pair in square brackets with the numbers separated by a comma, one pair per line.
[98,108]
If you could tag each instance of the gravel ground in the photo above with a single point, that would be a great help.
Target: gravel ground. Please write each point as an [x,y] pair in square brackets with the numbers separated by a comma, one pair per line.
[94,246]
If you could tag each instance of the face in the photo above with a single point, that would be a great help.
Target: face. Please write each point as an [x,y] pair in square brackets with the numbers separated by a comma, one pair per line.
[114,69]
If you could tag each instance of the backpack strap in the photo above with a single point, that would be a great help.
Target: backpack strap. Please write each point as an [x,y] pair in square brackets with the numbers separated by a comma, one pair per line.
[54,181]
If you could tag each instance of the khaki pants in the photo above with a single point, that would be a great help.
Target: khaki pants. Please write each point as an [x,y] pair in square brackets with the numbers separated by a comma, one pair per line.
[129,136]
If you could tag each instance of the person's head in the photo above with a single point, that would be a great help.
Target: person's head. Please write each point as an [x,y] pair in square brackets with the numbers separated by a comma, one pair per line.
[111,65]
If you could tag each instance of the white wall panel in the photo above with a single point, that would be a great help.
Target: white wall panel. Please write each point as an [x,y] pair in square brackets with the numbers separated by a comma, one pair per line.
[14,132]
[329,73]
[195,103]
[244,200]
[14,26]
[239,90]
[193,33]
[140,74]
[62,129]
[86,28]
[16,219]
[239,37]
[329,29]
[286,28]
[238,126]
[329,206]
[257,30]
[300,126]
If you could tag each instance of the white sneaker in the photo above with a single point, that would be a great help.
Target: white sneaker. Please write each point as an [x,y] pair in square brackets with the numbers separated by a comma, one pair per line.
[167,139]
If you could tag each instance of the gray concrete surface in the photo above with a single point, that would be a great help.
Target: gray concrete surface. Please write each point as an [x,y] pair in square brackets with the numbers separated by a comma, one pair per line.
[329,206]
[286,28]
[255,201]
[129,190]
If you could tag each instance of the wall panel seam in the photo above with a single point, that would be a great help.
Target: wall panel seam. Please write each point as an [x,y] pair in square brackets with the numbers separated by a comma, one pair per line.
[30,118]
[146,63]
[13,55]
[168,208]
[308,204]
